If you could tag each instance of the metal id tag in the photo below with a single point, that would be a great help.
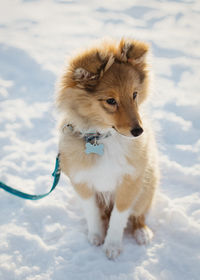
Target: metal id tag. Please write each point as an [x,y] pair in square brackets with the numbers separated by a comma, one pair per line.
[94,149]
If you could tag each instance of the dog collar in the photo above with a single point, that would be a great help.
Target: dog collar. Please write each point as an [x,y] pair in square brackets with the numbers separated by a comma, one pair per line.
[91,139]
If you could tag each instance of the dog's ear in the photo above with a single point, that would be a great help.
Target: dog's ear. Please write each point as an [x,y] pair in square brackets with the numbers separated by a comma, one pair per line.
[133,51]
[84,78]
[89,67]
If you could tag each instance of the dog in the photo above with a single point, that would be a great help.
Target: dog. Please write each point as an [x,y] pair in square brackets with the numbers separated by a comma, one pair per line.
[107,147]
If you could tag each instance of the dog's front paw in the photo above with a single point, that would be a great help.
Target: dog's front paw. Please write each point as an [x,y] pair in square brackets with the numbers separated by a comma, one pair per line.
[95,238]
[112,250]
[143,235]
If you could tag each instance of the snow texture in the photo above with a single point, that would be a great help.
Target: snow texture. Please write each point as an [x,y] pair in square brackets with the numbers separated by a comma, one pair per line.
[47,239]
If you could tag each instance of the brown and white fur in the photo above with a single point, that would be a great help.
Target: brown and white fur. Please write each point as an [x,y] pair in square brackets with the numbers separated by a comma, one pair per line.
[120,184]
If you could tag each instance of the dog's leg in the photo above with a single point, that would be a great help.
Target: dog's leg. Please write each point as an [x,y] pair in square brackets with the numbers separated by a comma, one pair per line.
[94,222]
[92,214]
[113,242]
[131,197]
[141,232]
[119,216]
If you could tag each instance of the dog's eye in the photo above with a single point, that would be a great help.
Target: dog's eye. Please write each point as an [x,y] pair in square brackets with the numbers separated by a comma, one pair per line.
[135,94]
[111,101]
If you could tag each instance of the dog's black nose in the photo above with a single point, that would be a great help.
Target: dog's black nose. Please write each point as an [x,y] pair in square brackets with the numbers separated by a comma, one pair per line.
[136,131]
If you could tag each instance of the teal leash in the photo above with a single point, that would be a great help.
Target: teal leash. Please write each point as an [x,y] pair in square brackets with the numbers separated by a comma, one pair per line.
[55,174]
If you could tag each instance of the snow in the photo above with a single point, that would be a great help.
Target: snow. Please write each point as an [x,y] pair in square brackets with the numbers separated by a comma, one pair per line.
[41,240]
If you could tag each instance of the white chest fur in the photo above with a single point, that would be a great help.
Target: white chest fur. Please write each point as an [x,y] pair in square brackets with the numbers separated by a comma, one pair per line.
[109,168]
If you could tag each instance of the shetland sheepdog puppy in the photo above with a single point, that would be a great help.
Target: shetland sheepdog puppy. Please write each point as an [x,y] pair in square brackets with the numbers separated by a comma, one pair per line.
[106,145]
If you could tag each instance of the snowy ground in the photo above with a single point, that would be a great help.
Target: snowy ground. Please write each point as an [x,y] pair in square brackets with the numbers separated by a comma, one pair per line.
[47,239]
